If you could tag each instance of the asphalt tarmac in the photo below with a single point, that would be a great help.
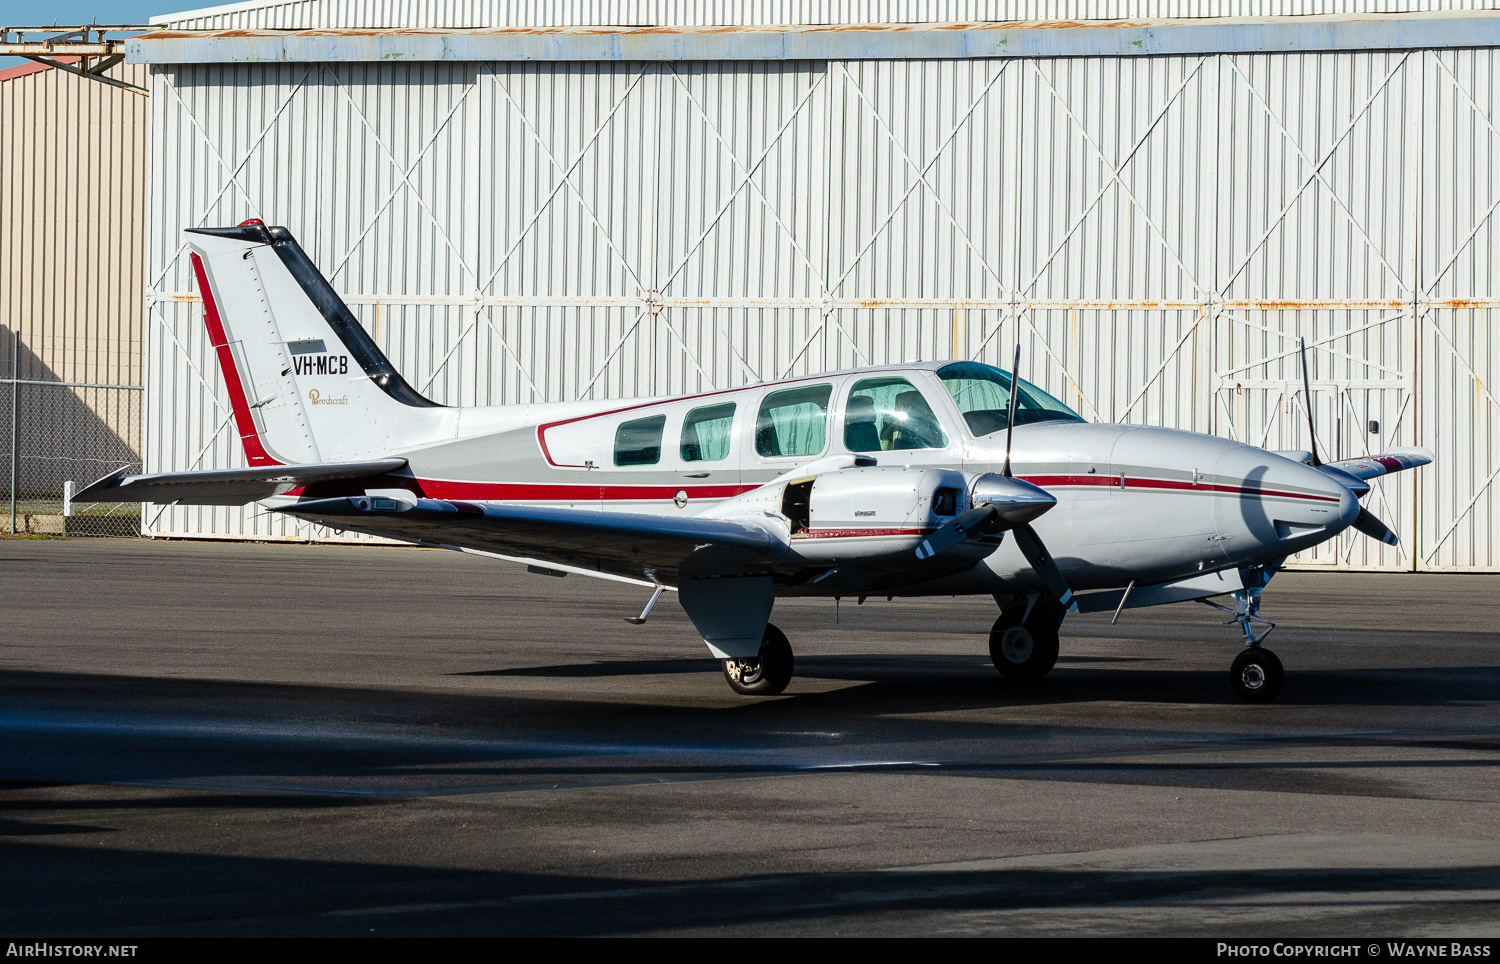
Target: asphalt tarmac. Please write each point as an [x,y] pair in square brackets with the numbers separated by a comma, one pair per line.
[223,739]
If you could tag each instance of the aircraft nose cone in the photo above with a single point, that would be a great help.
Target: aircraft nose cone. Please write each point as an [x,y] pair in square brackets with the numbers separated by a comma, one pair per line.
[1282,506]
[1015,500]
[1323,490]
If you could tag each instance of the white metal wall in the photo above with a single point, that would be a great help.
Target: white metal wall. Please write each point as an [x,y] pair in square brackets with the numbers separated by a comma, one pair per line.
[375,14]
[1158,232]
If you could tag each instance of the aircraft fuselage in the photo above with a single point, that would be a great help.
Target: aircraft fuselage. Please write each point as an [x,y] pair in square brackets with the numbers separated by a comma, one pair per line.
[1134,503]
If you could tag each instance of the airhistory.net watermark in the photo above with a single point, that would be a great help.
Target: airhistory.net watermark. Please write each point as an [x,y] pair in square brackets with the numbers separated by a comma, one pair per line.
[40,949]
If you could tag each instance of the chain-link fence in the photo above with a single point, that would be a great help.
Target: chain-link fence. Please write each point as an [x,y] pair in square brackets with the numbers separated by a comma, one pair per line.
[57,437]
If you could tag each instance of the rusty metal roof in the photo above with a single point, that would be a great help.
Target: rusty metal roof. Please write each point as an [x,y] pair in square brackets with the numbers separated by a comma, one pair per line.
[824,42]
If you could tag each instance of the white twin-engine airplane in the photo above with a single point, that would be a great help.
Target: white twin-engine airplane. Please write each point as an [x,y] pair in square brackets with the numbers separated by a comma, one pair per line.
[893,481]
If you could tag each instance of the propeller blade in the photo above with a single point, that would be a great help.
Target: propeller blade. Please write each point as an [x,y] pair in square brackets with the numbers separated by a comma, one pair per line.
[1010,418]
[959,528]
[1045,567]
[1312,433]
[1367,523]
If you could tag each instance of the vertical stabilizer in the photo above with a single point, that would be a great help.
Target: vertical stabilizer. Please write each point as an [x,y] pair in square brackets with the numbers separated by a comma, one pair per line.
[306,382]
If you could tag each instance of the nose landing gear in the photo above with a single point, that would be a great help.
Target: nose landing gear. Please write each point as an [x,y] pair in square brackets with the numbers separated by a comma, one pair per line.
[1256,674]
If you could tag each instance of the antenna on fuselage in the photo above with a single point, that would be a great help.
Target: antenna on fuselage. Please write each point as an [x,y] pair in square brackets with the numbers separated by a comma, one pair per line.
[1307,400]
[1010,418]
[751,377]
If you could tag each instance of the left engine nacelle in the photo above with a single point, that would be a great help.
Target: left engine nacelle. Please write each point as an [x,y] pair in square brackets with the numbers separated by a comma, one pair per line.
[877,514]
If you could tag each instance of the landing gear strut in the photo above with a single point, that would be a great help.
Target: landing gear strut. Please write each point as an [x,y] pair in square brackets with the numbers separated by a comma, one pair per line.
[1256,674]
[1023,641]
[766,674]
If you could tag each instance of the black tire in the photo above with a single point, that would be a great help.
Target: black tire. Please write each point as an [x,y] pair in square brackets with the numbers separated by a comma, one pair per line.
[1025,650]
[766,675]
[1257,675]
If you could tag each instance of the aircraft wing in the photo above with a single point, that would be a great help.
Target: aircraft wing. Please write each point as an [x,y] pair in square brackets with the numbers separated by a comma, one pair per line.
[1396,460]
[227,486]
[633,545]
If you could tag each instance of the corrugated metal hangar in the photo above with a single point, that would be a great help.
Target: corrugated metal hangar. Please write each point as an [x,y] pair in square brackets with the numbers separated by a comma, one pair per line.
[1157,209]
[72,267]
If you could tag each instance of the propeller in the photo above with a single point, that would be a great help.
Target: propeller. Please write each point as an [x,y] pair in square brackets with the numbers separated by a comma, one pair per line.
[1010,417]
[1004,502]
[999,504]
[1312,432]
[1366,521]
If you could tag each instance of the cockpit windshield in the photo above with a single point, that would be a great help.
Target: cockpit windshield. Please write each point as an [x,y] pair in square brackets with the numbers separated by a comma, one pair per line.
[983,396]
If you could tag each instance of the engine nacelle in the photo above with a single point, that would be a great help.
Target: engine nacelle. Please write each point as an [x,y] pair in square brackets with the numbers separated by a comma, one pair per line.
[870,514]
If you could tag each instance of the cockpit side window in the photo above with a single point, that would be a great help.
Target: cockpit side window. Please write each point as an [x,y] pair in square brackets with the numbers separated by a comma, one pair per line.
[888,413]
[793,422]
[982,393]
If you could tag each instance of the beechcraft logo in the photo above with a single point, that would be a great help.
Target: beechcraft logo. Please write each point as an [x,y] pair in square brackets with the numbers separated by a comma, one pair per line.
[318,398]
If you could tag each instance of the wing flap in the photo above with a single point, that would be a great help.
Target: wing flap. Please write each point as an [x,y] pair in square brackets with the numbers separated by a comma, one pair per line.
[1395,460]
[635,545]
[227,486]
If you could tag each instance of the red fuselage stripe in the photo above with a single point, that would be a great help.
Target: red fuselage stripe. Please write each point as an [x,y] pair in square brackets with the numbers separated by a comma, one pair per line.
[244,422]
[857,533]
[530,492]
[574,492]
[1113,481]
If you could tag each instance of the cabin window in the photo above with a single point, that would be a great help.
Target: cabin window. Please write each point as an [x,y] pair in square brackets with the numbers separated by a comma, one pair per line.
[793,422]
[982,393]
[886,414]
[638,442]
[706,433]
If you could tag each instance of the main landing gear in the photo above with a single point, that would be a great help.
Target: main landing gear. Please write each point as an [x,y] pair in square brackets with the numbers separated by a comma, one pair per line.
[766,674]
[1023,641]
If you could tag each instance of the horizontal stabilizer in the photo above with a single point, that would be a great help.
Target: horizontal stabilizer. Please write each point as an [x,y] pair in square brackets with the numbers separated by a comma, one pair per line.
[227,486]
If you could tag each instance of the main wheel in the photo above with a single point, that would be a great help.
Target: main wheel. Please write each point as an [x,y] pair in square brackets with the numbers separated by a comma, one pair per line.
[1257,675]
[1025,650]
[766,674]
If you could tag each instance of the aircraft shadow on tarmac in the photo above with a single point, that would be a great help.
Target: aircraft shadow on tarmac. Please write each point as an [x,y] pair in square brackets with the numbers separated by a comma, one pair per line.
[76,889]
[817,667]
[362,745]
[1076,679]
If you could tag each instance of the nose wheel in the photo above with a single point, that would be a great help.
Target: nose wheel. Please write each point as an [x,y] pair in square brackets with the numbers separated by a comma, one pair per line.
[766,674]
[1257,675]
